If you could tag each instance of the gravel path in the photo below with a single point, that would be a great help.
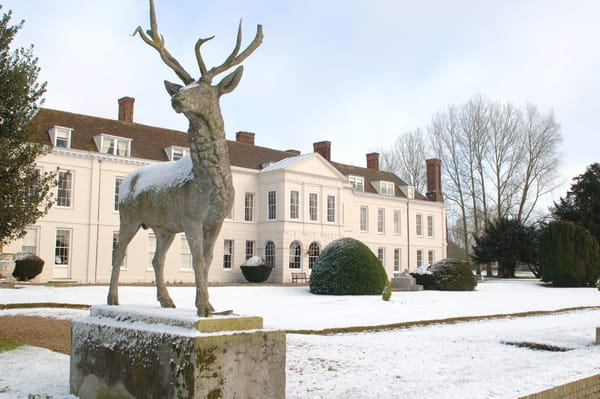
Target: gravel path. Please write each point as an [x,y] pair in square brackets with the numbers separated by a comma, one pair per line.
[54,334]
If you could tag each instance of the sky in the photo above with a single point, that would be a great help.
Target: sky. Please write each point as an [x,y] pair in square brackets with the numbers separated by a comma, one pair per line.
[356,72]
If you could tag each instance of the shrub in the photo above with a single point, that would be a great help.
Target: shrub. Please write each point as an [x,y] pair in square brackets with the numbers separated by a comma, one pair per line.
[569,255]
[446,275]
[387,291]
[347,267]
[27,266]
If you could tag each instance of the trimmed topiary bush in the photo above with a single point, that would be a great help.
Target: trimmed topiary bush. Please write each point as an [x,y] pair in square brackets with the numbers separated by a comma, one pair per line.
[27,266]
[569,255]
[347,267]
[446,275]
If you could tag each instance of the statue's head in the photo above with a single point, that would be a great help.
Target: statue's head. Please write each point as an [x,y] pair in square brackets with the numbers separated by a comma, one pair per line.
[199,98]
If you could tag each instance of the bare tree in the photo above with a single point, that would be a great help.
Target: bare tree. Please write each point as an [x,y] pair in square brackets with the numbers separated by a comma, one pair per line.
[540,137]
[407,158]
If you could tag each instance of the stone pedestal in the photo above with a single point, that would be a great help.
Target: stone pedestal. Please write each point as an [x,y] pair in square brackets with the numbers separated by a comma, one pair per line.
[140,352]
[405,283]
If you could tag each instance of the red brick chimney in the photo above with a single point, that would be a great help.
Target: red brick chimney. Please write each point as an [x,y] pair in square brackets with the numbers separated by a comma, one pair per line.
[245,137]
[434,180]
[373,161]
[126,109]
[323,148]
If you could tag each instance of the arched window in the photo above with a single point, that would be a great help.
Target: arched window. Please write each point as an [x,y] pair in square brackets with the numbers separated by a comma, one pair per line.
[314,250]
[295,255]
[270,253]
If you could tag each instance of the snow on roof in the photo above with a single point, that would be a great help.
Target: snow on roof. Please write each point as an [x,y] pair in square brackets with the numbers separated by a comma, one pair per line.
[286,162]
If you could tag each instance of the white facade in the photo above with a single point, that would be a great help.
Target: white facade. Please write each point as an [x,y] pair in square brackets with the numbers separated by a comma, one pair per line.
[301,201]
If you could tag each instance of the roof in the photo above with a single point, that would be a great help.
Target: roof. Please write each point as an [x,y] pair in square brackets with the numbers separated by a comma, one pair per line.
[149,143]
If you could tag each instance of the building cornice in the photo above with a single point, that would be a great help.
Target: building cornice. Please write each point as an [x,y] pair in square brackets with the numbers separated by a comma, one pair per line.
[94,155]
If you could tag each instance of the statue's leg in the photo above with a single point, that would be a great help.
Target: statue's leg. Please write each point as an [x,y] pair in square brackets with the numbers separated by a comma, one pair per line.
[126,234]
[210,237]
[163,242]
[195,241]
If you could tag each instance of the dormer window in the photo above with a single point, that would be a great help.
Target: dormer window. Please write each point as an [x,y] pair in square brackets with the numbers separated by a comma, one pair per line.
[113,145]
[175,153]
[358,182]
[60,136]
[386,188]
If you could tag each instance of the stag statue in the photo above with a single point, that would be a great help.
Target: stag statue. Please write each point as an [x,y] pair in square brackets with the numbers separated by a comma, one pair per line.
[194,194]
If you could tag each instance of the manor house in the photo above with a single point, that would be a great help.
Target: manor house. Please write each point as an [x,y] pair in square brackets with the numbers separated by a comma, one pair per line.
[288,206]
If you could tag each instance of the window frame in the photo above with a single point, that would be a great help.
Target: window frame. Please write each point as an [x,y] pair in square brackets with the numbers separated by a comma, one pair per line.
[272,205]
[381,220]
[186,261]
[397,259]
[270,253]
[431,256]
[419,224]
[106,142]
[397,222]
[67,249]
[363,216]
[69,190]
[358,182]
[228,248]
[294,204]
[36,241]
[331,209]
[313,207]
[250,249]
[419,257]
[249,206]
[117,191]
[314,251]
[381,255]
[57,131]
[430,226]
[295,258]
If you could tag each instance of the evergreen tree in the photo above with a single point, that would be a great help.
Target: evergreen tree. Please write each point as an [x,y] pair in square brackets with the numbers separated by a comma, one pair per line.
[582,204]
[508,242]
[24,191]
[569,255]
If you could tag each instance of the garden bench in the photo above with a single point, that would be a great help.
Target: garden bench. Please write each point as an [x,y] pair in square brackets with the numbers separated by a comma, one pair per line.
[299,277]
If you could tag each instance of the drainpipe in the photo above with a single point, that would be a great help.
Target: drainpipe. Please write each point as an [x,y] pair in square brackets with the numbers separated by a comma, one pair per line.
[98,220]
[408,230]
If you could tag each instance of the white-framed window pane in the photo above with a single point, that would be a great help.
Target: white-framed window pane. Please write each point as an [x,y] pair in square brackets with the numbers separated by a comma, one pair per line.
[186,255]
[250,249]
[270,253]
[118,181]
[397,259]
[331,208]
[313,207]
[294,204]
[430,257]
[364,218]
[419,258]
[429,226]
[314,250]
[249,207]
[295,255]
[62,138]
[123,148]
[397,223]
[357,182]
[381,255]
[381,220]
[272,205]
[64,188]
[62,247]
[419,224]
[30,241]
[228,254]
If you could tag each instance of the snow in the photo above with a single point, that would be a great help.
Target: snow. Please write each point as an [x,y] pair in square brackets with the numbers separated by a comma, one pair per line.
[462,360]
[254,261]
[157,177]
[286,162]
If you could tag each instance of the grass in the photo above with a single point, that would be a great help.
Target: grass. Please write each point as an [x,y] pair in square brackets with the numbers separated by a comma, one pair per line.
[8,345]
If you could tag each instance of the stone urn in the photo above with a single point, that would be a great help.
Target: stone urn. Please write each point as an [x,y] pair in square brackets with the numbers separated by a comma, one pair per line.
[7,265]
[256,270]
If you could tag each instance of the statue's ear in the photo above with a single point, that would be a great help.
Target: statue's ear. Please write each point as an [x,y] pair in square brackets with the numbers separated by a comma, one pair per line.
[172,88]
[230,82]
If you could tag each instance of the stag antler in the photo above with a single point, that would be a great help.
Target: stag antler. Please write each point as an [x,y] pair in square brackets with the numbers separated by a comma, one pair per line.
[157,41]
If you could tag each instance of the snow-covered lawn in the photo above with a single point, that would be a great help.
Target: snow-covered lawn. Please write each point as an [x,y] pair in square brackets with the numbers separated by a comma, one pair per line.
[463,360]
